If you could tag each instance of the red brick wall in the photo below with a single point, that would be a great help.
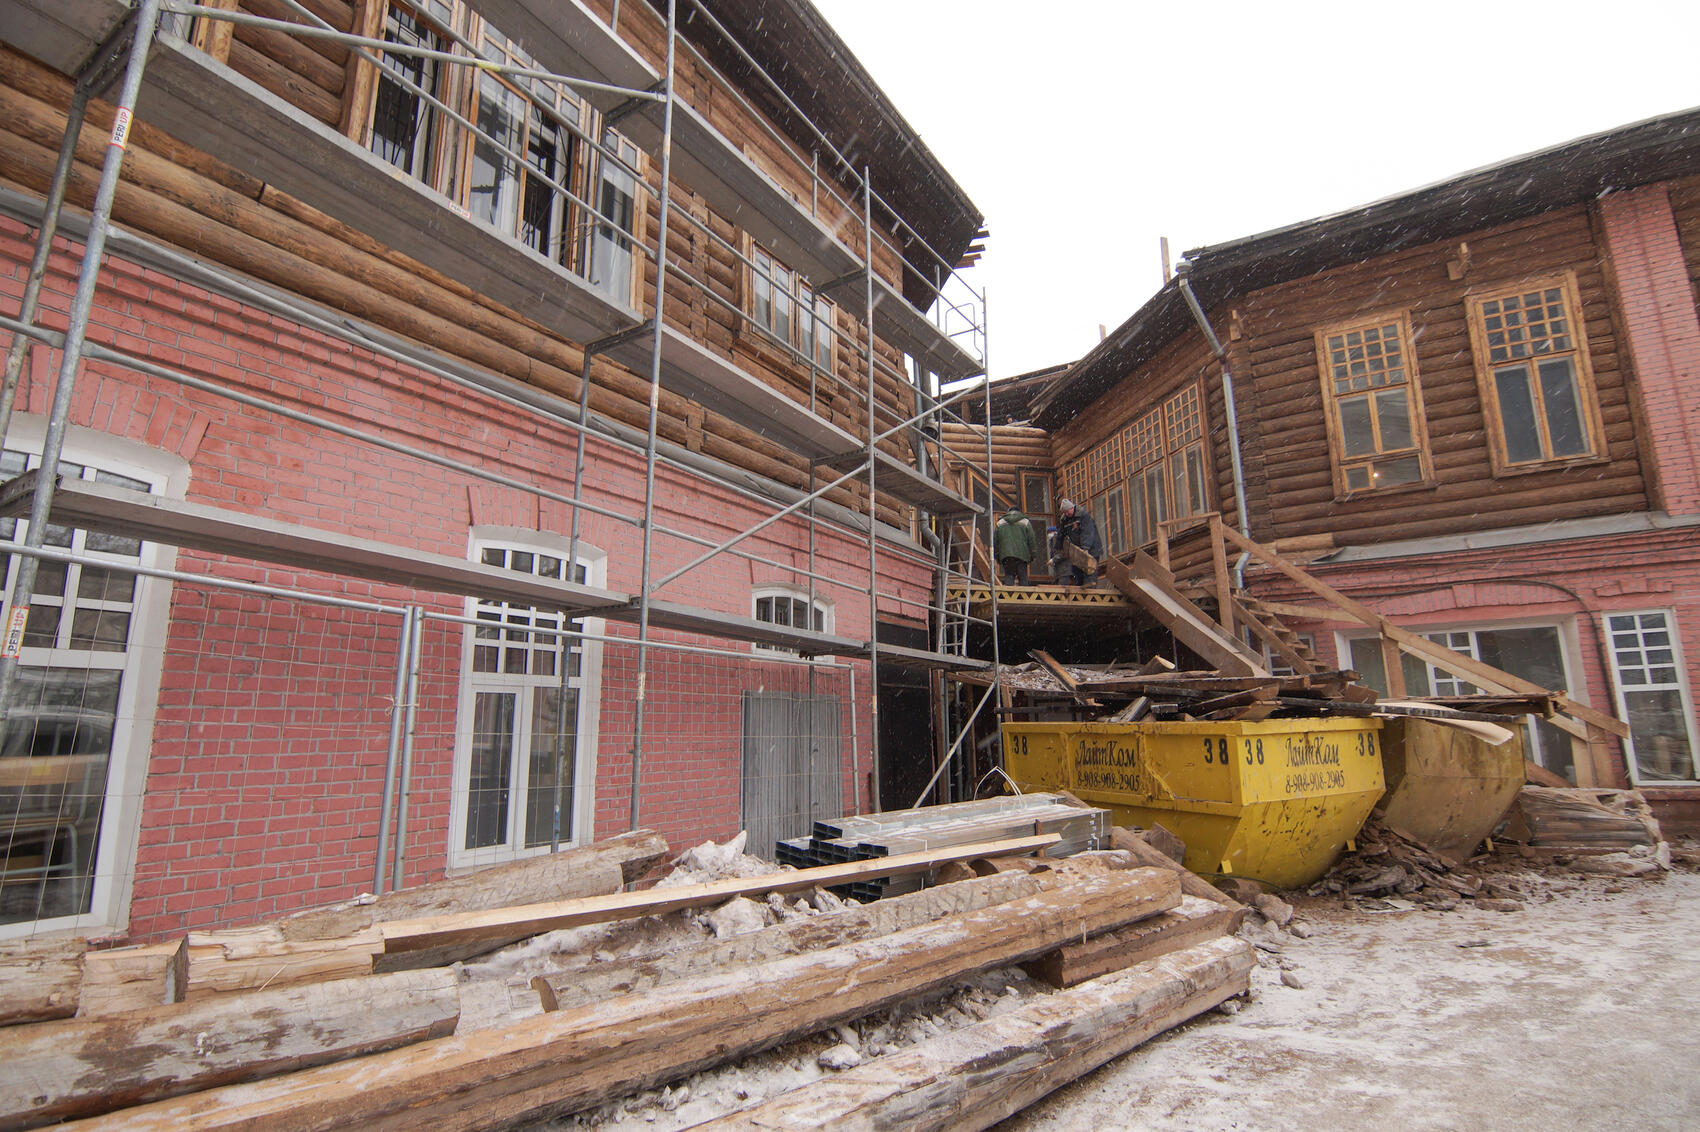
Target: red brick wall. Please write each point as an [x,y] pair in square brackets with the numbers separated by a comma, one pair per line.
[268,758]
[1658,310]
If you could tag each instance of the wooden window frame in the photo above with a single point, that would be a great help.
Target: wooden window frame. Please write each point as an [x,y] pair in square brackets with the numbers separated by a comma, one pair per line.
[1339,462]
[1160,421]
[801,341]
[1586,393]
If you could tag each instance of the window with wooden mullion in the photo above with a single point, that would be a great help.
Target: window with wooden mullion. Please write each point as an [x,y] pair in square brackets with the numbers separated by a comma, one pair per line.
[1535,377]
[1377,438]
[784,305]
[1165,465]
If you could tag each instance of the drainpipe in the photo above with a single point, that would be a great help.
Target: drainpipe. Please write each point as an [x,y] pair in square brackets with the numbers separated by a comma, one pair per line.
[1181,271]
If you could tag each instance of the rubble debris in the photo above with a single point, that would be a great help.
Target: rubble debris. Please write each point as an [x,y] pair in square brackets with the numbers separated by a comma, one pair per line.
[1582,820]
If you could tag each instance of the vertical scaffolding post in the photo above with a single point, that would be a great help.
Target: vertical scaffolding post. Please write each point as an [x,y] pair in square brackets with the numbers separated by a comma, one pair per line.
[398,717]
[873,517]
[572,568]
[415,643]
[44,247]
[94,249]
[991,510]
[654,409]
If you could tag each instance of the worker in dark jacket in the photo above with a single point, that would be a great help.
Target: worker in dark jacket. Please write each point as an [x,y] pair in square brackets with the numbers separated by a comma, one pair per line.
[1076,526]
[1014,544]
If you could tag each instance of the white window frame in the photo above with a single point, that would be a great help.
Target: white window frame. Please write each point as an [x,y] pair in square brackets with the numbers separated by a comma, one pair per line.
[1620,694]
[1569,647]
[138,691]
[797,593]
[588,684]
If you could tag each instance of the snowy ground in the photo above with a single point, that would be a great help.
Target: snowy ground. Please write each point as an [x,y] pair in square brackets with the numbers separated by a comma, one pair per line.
[1579,1012]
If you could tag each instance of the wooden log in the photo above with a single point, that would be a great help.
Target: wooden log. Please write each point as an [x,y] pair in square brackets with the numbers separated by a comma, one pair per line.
[1193,921]
[40,979]
[590,870]
[584,985]
[556,1063]
[243,959]
[1191,883]
[525,920]
[132,978]
[977,1076]
[59,1070]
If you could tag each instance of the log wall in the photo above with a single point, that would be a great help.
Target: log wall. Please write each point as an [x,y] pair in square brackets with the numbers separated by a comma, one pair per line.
[1270,339]
[1685,205]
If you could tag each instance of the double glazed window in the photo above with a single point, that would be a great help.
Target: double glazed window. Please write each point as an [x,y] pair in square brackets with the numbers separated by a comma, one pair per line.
[521,780]
[783,607]
[1537,653]
[73,719]
[525,169]
[1536,381]
[1652,695]
[784,305]
[1375,407]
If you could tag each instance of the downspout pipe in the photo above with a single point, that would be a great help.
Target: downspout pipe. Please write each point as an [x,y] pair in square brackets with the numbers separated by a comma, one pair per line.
[1181,270]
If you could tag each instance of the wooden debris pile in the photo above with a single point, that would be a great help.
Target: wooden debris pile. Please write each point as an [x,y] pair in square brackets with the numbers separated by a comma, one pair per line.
[354,1017]
[1611,832]
[1389,867]
[1153,691]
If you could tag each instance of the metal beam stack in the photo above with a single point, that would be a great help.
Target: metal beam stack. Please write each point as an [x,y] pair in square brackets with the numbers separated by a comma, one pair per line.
[865,837]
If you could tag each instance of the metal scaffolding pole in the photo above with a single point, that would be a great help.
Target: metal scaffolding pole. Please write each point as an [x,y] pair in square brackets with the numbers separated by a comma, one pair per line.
[398,725]
[654,409]
[873,521]
[94,248]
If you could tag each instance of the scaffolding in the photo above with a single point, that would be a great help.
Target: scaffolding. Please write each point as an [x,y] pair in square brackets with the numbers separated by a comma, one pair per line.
[156,48]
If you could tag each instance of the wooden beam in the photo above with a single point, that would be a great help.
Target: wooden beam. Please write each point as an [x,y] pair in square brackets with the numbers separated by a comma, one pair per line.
[1225,603]
[595,982]
[132,978]
[74,1068]
[1185,621]
[534,919]
[1270,637]
[979,1075]
[360,91]
[557,1063]
[1193,920]
[39,979]
[213,35]
[1191,883]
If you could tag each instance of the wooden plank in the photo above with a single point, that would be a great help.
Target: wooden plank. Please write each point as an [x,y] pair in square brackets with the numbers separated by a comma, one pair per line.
[360,89]
[534,919]
[244,959]
[213,35]
[598,981]
[598,869]
[132,978]
[1219,570]
[1191,883]
[1271,638]
[73,1068]
[559,1062]
[1183,619]
[1539,775]
[1193,920]
[974,1077]
[39,978]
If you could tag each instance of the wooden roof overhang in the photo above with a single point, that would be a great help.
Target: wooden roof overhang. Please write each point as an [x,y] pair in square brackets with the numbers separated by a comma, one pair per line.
[816,70]
[1625,157]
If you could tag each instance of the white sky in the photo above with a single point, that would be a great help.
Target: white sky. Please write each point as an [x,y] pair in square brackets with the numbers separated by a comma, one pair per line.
[1088,129]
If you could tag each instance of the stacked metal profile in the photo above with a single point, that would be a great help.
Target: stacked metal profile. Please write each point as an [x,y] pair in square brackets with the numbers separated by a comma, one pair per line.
[865,837]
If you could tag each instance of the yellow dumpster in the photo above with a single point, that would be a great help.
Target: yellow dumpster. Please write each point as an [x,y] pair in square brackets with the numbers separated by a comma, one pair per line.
[1274,801]
[1447,788]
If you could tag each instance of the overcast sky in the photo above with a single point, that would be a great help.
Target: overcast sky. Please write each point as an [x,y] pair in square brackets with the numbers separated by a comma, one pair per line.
[1085,130]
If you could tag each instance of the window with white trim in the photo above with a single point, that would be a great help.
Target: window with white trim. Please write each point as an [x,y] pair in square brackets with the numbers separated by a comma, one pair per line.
[1652,695]
[525,756]
[780,605]
[782,303]
[80,711]
[1540,654]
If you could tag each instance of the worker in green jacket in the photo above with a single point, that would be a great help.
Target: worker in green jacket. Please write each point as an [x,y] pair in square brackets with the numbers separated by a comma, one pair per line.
[1014,544]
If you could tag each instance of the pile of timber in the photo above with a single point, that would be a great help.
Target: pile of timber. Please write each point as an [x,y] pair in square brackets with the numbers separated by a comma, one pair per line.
[1132,693]
[863,837]
[1610,832]
[264,1029]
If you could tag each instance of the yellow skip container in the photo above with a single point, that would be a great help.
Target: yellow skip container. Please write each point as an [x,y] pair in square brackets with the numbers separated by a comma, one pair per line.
[1273,801]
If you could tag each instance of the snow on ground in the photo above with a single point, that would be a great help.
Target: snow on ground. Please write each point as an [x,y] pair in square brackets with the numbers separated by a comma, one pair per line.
[1578,1012]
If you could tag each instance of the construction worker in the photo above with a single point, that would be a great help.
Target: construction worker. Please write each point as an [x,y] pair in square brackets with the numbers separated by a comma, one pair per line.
[1078,527]
[1014,544]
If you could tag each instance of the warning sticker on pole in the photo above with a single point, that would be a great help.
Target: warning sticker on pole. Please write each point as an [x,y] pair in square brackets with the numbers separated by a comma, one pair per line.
[121,128]
[14,642]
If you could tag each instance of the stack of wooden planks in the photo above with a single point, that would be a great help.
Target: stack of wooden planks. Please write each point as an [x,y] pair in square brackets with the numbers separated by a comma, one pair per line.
[308,1023]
